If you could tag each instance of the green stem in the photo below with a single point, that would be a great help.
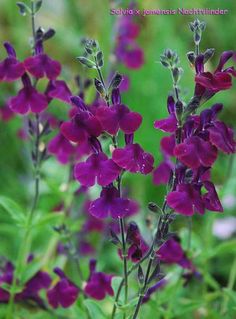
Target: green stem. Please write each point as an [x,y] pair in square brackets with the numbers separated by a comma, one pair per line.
[230,286]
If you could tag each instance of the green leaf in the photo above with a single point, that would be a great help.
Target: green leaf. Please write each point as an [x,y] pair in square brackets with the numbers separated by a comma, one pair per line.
[23,8]
[224,248]
[50,219]
[14,210]
[30,270]
[90,64]
[38,5]
[94,309]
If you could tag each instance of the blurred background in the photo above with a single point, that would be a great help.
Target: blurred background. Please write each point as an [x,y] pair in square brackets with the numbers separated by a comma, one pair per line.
[149,86]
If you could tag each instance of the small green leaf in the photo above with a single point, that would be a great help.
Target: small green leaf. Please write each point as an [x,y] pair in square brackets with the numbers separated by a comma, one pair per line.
[23,8]
[94,309]
[38,5]
[90,64]
[13,209]
[100,59]
[30,270]
[50,219]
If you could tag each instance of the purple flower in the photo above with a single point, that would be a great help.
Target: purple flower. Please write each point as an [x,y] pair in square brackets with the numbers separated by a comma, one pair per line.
[110,203]
[64,293]
[98,284]
[28,99]
[6,113]
[195,152]
[168,124]
[133,57]
[168,145]
[61,148]
[211,199]
[207,84]
[161,174]
[81,127]
[153,289]
[171,252]
[41,65]
[133,159]
[137,247]
[118,117]
[10,68]
[97,169]
[186,199]
[59,90]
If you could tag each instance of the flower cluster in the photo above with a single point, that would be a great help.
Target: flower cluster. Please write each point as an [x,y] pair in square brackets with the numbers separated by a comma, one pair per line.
[127,50]
[86,125]
[201,137]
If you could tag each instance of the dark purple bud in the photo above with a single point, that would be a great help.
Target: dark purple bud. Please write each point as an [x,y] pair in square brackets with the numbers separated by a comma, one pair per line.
[199,64]
[170,104]
[208,54]
[26,80]
[49,34]
[191,57]
[10,50]
[114,238]
[225,56]
[205,117]
[92,265]
[77,101]
[59,272]
[178,110]
[129,138]
[115,96]
[96,145]
[39,47]
[140,275]
[216,108]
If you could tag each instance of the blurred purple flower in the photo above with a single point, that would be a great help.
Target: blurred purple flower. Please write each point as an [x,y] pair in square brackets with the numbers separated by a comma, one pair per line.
[10,68]
[97,169]
[59,90]
[98,284]
[195,152]
[61,148]
[111,204]
[64,293]
[28,99]
[118,117]
[162,172]
[133,159]
[41,65]
[81,127]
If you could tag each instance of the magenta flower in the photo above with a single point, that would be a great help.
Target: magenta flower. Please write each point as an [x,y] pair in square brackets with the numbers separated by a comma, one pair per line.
[137,247]
[81,127]
[133,159]
[222,137]
[10,68]
[6,113]
[61,148]
[41,65]
[207,83]
[195,152]
[168,124]
[171,252]
[64,293]
[97,169]
[186,200]
[133,56]
[161,174]
[28,99]
[111,204]
[118,117]
[211,199]
[98,284]
[168,145]
[59,90]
